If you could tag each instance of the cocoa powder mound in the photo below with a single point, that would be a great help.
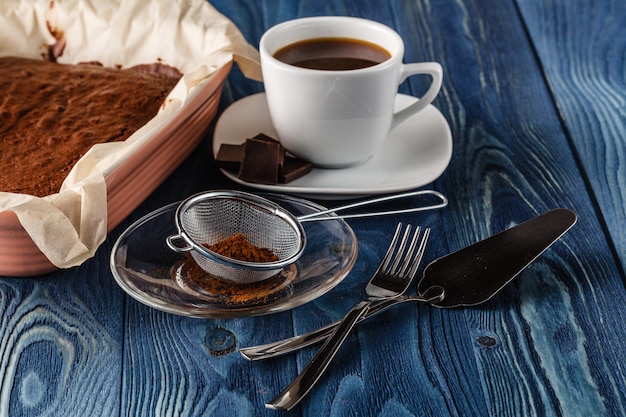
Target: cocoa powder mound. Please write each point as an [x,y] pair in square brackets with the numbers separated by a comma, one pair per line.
[52,114]
[238,247]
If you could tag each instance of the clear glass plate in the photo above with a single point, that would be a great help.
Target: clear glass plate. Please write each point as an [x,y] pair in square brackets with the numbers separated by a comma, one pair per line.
[149,271]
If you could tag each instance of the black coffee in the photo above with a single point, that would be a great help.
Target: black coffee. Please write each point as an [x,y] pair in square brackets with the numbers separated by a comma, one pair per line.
[332,54]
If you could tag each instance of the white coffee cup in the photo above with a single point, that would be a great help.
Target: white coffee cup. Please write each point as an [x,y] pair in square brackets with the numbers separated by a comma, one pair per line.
[337,119]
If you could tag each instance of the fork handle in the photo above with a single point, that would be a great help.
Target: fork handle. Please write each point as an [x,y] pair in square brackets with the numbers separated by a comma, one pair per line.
[303,383]
[281,347]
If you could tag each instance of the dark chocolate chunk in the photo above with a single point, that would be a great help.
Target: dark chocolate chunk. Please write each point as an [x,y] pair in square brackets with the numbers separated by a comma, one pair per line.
[293,168]
[260,162]
[230,156]
[281,158]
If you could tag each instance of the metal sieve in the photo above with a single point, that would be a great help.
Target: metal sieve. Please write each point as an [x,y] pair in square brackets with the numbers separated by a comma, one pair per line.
[207,218]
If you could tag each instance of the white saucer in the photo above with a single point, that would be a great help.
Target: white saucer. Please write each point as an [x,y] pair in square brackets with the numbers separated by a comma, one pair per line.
[416,153]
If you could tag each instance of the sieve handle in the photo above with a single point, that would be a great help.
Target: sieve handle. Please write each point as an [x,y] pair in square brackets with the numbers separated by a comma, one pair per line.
[177,243]
[442,201]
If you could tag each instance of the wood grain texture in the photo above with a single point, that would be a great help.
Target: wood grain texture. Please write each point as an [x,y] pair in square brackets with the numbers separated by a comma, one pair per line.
[582,49]
[60,344]
[517,82]
[509,142]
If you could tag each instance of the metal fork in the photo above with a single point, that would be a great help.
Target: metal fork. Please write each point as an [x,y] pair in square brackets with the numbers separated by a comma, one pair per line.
[391,279]
[281,347]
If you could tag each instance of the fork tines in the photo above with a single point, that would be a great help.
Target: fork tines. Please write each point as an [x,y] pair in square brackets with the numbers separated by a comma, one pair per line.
[402,258]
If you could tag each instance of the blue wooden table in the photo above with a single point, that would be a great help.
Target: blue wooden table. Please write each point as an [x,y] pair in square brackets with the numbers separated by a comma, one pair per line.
[535,95]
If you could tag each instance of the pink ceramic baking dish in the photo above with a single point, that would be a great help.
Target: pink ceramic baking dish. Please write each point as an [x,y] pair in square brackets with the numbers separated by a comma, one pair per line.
[130,183]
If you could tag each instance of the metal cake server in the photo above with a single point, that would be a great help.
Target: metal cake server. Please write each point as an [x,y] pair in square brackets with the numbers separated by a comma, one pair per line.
[474,274]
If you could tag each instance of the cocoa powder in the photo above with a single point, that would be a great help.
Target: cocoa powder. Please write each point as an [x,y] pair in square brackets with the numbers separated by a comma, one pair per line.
[230,293]
[238,247]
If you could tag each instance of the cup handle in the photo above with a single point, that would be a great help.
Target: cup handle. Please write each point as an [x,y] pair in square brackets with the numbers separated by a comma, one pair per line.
[430,68]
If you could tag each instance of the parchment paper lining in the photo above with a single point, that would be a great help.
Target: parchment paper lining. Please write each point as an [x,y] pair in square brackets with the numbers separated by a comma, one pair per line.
[190,35]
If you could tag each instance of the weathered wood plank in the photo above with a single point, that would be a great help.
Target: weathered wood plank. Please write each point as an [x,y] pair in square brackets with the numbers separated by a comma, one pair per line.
[516,161]
[582,50]
[60,343]
[521,164]
[550,344]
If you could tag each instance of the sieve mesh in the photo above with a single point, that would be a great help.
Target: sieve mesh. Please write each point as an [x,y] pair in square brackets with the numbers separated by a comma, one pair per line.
[212,217]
